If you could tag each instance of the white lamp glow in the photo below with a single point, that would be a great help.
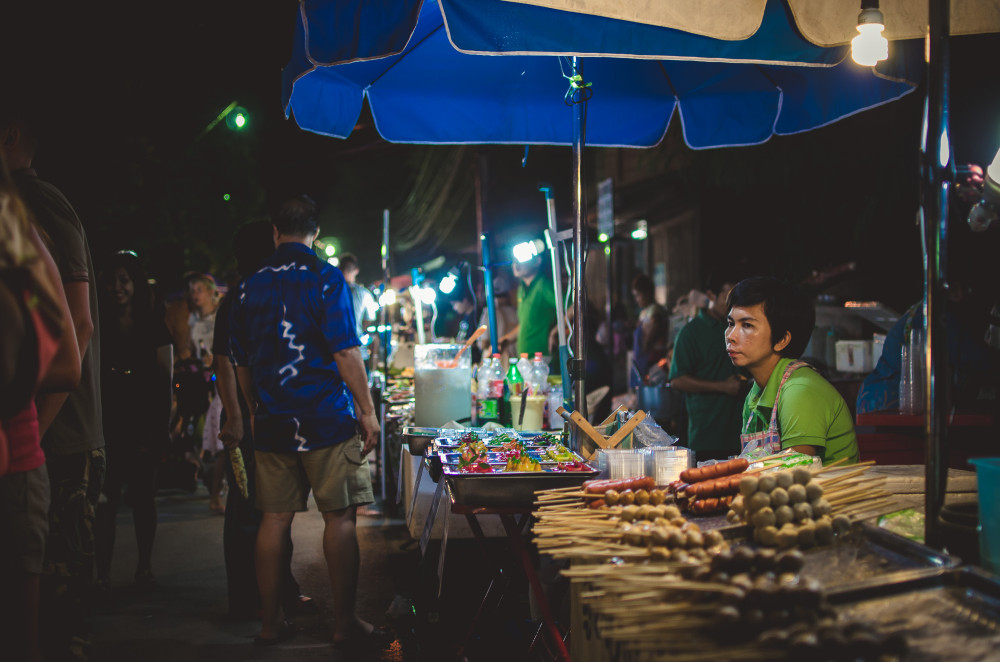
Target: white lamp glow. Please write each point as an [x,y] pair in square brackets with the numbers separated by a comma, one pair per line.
[448,283]
[525,251]
[870,47]
[387,298]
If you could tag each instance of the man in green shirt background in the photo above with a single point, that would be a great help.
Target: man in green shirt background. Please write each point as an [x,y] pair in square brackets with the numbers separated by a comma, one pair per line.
[769,324]
[711,383]
[536,308]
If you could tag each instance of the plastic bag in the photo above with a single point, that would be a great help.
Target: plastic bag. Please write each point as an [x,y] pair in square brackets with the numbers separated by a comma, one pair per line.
[648,433]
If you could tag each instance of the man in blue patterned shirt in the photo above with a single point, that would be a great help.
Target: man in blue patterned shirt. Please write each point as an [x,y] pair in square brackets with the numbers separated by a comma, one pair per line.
[297,358]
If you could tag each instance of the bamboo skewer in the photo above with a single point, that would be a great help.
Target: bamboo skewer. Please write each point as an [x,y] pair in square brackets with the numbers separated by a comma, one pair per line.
[843,477]
[830,466]
[860,497]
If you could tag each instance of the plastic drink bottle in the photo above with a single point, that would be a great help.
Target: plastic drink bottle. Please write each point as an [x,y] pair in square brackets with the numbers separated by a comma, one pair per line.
[539,375]
[515,381]
[486,405]
[496,377]
[524,367]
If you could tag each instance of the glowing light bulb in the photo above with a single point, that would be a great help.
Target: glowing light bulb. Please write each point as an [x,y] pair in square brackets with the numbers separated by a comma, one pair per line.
[448,283]
[525,251]
[387,298]
[427,295]
[330,250]
[870,47]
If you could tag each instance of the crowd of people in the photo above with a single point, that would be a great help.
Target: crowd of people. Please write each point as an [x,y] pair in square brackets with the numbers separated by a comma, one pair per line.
[105,383]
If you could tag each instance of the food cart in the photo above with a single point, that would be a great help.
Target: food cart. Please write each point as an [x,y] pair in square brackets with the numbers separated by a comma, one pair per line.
[666,580]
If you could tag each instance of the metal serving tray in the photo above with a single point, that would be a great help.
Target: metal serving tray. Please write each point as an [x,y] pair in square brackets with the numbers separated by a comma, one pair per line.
[944,614]
[510,488]
[866,553]
[419,439]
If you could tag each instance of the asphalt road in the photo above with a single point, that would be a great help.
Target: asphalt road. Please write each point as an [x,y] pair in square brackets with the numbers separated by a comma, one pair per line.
[185,616]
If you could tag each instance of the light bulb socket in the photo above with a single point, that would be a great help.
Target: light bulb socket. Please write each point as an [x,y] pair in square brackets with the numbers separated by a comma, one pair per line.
[871,16]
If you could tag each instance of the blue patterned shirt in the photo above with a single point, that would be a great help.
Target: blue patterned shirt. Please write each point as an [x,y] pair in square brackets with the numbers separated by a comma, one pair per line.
[288,320]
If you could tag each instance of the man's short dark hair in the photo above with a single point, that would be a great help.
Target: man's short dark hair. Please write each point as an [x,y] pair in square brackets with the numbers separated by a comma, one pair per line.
[787,309]
[253,243]
[348,261]
[643,284]
[297,217]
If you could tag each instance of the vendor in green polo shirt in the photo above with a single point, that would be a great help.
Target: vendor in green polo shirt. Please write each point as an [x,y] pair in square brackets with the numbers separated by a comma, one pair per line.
[712,386]
[789,405]
[536,308]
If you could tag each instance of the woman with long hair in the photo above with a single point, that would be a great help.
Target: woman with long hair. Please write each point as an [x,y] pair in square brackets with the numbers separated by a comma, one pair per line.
[137,359]
[205,300]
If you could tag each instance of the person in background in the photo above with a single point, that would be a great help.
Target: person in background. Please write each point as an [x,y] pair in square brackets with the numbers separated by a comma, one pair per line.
[649,340]
[136,385]
[973,366]
[789,405]
[253,243]
[506,314]
[701,369]
[69,422]
[37,350]
[364,305]
[685,309]
[205,299]
[536,308]
[298,363]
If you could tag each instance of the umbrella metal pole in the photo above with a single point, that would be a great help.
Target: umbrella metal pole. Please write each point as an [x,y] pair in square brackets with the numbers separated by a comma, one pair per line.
[387,341]
[936,178]
[577,371]
[491,306]
[551,238]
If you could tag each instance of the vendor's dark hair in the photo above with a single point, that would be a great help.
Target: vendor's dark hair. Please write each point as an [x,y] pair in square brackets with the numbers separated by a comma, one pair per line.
[787,309]
[643,284]
[348,259]
[297,217]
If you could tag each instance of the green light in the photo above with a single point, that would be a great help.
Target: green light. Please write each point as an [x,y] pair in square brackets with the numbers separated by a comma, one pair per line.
[384,250]
[330,250]
[237,117]
[603,238]
[225,196]
[607,250]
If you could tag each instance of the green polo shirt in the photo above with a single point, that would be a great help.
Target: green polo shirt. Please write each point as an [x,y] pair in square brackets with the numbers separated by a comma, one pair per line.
[713,418]
[536,314]
[811,413]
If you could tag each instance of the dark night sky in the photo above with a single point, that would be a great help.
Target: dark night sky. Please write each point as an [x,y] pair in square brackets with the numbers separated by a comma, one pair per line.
[124,89]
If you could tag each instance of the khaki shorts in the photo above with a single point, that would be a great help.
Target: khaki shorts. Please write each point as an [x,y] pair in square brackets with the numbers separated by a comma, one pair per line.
[24,520]
[338,476]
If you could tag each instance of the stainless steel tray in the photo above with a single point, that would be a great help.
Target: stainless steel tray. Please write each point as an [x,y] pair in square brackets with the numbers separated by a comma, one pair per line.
[419,439]
[866,553]
[944,614]
[510,488]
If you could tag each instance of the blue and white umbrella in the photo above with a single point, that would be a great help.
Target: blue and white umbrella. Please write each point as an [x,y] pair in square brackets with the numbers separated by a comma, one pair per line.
[496,72]
[404,57]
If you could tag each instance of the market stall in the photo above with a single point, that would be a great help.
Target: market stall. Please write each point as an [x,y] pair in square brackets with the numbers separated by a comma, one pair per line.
[773,560]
